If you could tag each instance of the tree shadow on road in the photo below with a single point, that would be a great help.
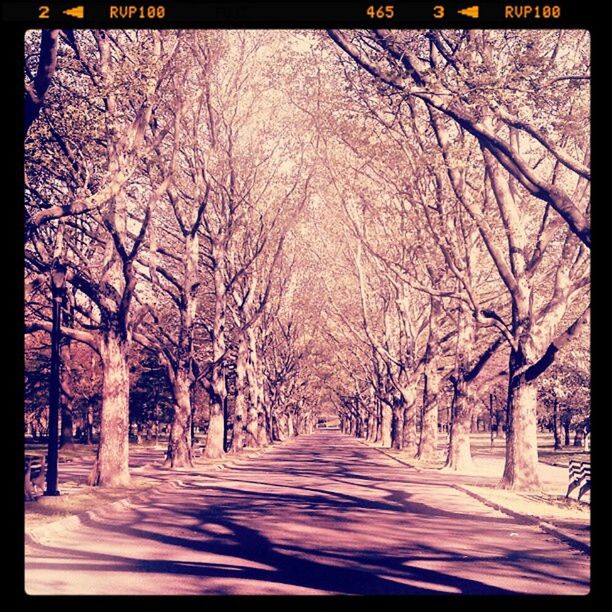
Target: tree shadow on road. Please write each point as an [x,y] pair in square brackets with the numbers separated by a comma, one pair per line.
[232,550]
[283,566]
[311,528]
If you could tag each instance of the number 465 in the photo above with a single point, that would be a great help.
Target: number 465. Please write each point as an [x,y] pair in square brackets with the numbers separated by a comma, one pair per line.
[382,12]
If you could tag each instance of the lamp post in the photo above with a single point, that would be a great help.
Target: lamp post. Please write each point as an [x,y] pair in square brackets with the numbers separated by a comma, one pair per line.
[58,290]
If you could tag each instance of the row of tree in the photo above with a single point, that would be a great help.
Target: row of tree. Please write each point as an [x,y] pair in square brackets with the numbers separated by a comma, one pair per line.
[467,203]
[384,222]
[158,179]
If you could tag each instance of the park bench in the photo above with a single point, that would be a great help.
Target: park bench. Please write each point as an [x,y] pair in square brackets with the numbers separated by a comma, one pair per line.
[579,476]
[35,469]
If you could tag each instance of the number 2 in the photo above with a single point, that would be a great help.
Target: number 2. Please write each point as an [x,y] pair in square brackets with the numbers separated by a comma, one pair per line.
[43,12]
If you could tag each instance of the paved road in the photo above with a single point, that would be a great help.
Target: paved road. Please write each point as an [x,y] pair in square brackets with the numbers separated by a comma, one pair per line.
[320,514]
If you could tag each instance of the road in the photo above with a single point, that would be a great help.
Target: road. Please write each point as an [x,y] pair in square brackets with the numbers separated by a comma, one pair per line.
[319,514]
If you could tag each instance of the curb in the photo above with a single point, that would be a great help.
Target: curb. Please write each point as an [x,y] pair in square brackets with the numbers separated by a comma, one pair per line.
[37,535]
[529,519]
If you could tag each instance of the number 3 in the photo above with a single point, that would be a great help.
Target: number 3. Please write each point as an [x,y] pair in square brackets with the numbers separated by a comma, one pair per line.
[438,12]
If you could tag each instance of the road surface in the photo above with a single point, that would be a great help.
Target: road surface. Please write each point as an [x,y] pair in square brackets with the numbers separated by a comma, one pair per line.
[319,514]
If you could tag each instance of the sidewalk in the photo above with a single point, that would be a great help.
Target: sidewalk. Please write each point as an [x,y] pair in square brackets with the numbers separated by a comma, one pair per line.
[567,519]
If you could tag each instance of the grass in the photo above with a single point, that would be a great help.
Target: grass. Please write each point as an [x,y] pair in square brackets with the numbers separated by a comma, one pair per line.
[553,508]
[77,498]
[80,498]
[546,452]
[80,451]
[546,504]
[481,446]
[561,458]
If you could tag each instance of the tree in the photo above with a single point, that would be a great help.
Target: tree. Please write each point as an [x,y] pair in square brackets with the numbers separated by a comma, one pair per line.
[456,78]
[535,332]
[100,250]
[38,84]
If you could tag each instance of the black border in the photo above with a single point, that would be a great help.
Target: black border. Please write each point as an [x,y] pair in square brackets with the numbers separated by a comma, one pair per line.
[585,16]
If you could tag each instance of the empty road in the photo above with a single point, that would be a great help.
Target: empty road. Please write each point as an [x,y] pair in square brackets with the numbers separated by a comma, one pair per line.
[320,514]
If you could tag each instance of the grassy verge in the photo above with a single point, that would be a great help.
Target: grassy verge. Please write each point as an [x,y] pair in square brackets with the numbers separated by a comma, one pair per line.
[76,499]
[561,458]
[83,451]
[553,508]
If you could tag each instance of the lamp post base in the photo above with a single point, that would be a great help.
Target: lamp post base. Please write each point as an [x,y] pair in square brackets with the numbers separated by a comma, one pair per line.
[51,493]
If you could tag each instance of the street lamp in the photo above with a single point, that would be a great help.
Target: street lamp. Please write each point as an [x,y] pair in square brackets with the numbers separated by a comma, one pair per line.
[58,290]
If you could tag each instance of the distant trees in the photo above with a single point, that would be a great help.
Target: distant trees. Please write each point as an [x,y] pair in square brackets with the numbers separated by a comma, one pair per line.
[564,396]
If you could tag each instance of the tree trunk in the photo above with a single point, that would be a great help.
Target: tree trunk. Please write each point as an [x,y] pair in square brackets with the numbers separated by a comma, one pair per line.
[521,468]
[429,416]
[397,426]
[579,436]
[410,432]
[238,437]
[371,428]
[556,424]
[254,383]
[271,419]
[66,436]
[180,440]
[241,406]
[216,431]
[252,427]
[459,456]
[264,411]
[89,425]
[111,466]
[386,425]
[215,438]
[179,443]
[567,424]
[290,432]
[361,432]
[263,418]
[429,424]
[276,429]
[378,422]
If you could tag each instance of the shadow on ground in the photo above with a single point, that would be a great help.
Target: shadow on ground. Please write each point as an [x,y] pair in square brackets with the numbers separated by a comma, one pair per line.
[325,516]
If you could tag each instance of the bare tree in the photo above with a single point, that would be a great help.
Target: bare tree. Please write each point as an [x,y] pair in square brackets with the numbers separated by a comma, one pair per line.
[100,252]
